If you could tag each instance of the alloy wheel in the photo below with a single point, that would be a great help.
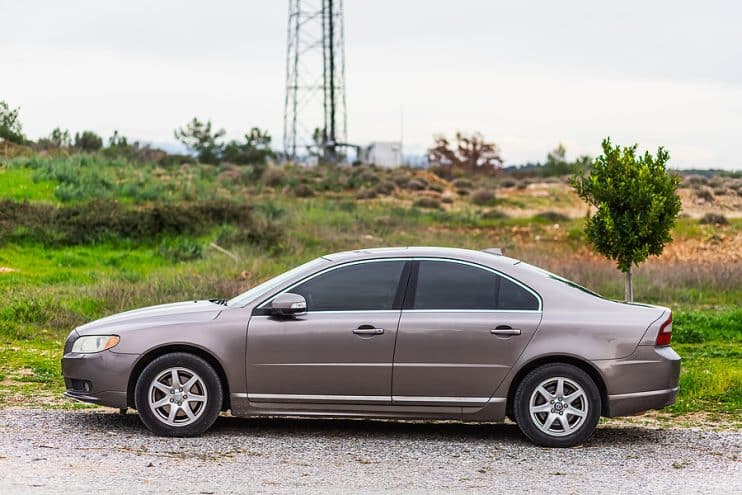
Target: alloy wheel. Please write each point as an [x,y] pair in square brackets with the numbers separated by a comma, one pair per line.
[177,396]
[558,406]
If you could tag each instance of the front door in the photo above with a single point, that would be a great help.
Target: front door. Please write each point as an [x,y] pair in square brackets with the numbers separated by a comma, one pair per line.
[460,333]
[341,351]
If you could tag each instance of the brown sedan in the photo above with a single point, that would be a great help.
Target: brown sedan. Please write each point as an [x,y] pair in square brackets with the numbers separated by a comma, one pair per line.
[386,333]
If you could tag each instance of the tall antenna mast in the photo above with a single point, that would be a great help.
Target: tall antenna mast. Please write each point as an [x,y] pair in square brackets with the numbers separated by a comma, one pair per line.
[314,119]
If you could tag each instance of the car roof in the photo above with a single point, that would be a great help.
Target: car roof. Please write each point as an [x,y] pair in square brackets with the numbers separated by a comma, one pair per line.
[486,257]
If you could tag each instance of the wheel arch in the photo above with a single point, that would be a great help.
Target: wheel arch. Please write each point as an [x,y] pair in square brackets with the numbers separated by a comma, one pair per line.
[156,352]
[584,365]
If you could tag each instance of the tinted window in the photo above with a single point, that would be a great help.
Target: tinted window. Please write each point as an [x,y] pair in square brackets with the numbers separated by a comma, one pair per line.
[513,296]
[365,286]
[446,285]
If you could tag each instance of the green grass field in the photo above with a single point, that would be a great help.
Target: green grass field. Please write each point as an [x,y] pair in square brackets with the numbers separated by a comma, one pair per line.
[54,276]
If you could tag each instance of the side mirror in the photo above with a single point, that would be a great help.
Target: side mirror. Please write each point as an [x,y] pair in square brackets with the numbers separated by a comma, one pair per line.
[288,304]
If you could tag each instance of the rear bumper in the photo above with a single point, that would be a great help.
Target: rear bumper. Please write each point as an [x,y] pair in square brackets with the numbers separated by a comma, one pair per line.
[637,402]
[648,379]
[100,378]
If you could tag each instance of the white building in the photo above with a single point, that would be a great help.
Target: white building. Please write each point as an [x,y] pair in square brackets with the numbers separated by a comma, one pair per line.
[382,153]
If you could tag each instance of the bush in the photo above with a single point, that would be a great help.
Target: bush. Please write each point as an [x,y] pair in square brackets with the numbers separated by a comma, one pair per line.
[102,220]
[705,194]
[551,217]
[694,180]
[714,219]
[494,215]
[180,249]
[508,183]
[416,185]
[274,177]
[483,197]
[88,141]
[367,193]
[385,187]
[462,183]
[427,202]
[303,191]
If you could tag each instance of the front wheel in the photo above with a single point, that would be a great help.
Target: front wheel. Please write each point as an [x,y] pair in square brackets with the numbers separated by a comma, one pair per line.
[557,405]
[178,394]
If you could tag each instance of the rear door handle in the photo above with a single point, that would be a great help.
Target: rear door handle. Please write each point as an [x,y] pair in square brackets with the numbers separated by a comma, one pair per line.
[505,330]
[368,331]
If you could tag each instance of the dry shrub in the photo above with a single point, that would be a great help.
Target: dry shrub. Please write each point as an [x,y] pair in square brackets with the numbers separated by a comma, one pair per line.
[494,214]
[483,197]
[705,194]
[367,193]
[714,219]
[551,216]
[427,202]
[462,183]
[303,191]
[416,185]
[274,177]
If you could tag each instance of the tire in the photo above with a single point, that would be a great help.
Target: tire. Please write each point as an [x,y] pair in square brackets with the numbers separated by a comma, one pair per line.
[538,417]
[201,395]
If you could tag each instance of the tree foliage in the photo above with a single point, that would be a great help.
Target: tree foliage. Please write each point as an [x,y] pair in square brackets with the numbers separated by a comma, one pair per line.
[468,152]
[59,138]
[199,137]
[636,200]
[10,124]
[256,148]
[88,141]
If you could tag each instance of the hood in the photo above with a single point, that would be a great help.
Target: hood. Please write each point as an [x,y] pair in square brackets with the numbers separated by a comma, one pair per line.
[163,314]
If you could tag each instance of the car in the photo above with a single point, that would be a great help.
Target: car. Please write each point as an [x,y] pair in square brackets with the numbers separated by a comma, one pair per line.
[416,332]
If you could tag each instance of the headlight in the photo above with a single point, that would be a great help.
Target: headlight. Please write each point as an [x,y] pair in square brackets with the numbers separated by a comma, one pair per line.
[94,343]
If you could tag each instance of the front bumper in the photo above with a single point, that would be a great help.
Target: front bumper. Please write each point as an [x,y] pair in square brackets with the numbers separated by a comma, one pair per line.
[100,378]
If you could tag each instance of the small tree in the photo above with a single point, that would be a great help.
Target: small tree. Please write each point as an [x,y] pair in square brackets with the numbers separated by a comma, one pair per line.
[471,153]
[199,137]
[88,141]
[637,205]
[255,150]
[10,124]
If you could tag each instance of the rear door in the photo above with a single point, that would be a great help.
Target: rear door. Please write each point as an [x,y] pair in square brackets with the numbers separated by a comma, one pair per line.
[341,351]
[462,329]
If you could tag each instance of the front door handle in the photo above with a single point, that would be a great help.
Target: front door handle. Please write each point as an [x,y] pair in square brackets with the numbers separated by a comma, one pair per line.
[505,330]
[368,330]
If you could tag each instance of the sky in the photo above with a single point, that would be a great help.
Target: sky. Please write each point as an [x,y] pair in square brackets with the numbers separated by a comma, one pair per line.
[528,75]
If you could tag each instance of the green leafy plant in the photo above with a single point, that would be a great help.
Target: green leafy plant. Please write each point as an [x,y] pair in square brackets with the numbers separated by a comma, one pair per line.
[10,124]
[199,137]
[88,141]
[637,205]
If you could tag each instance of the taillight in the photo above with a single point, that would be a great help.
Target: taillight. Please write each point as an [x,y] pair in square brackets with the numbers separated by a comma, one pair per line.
[665,334]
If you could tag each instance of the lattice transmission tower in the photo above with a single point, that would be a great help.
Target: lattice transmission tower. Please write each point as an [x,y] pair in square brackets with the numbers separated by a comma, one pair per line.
[314,119]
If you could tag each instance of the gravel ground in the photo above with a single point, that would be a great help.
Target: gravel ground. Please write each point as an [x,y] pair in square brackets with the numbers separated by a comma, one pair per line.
[103,452]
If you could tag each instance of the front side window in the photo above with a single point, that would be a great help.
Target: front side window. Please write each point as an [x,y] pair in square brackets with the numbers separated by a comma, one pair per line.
[457,286]
[370,286]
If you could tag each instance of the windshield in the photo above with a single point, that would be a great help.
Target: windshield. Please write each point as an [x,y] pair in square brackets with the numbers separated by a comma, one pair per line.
[563,280]
[266,286]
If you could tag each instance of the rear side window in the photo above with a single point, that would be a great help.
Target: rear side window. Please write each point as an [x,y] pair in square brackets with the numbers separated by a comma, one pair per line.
[456,286]
[361,287]
[513,296]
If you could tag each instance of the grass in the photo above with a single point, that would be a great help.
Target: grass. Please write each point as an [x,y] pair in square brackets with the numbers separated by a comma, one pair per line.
[47,288]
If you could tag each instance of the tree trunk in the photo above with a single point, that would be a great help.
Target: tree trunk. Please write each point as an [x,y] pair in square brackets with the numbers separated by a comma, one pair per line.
[629,287]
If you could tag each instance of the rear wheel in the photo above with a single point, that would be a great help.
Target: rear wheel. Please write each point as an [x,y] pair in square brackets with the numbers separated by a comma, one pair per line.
[557,405]
[178,394]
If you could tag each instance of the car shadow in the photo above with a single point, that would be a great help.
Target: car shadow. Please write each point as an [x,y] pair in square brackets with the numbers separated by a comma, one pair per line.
[368,429]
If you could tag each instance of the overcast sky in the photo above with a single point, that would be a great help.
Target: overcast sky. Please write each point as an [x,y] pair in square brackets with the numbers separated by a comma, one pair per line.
[529,75]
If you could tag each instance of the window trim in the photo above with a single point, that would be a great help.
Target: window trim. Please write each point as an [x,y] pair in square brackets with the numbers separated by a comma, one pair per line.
[404,278]
[410,287]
